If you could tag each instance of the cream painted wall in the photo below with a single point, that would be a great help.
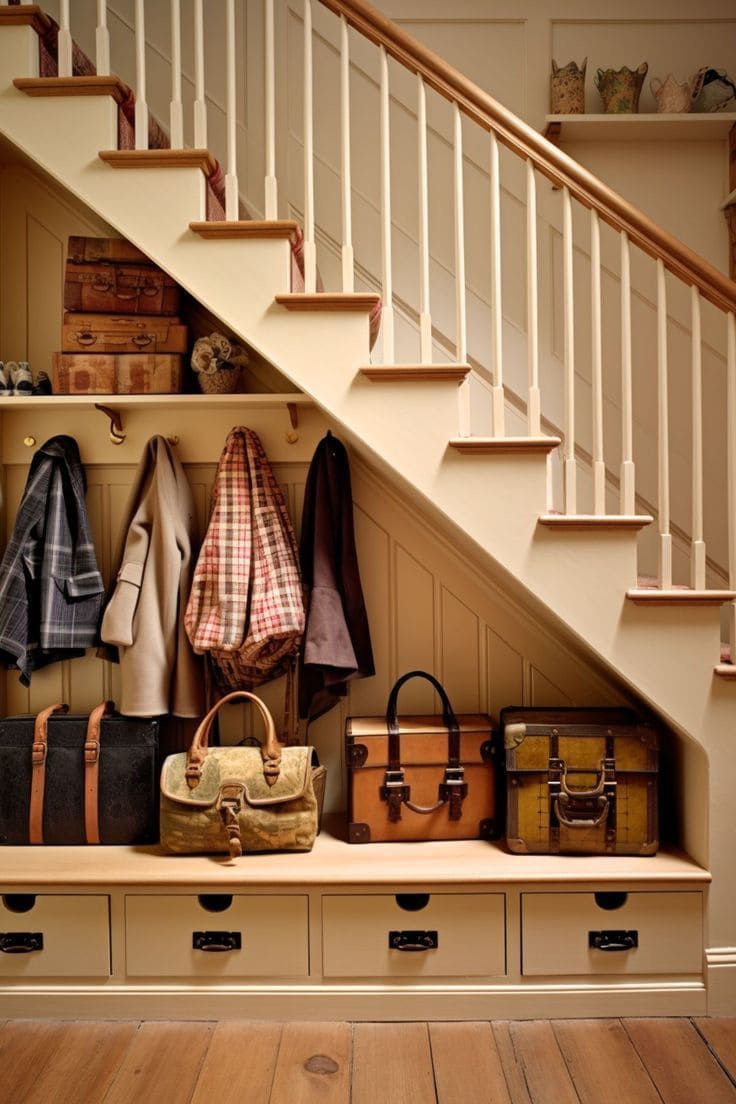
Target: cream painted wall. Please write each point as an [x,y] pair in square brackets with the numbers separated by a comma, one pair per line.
[428,606]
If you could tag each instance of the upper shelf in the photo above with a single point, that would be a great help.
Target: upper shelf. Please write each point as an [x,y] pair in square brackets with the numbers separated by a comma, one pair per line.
[12,403]
[695,127]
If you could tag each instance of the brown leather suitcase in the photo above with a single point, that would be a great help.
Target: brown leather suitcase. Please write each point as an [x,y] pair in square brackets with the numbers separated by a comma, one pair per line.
[109,250]
[580,781]
[123,333]
[116,374]
[421,777]
[119,289]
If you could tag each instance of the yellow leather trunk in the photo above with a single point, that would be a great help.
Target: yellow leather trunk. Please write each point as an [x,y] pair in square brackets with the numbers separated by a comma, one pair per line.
[580,781]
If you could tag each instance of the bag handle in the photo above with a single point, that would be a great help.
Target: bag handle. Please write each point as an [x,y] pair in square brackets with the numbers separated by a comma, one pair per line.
[38,770]
[448,716]
[92,770]
[270,749]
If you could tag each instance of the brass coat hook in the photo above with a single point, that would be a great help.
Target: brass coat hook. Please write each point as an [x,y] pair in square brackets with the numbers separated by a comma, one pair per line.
[117,433]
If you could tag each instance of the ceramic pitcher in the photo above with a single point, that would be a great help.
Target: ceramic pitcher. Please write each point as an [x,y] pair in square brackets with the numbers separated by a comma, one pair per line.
[620,88]
[671,97]
[567,88]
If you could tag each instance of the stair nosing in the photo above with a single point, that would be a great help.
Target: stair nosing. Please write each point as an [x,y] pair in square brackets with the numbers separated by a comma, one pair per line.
[672,597]
[160,159]
[482,445]
[73,86]
[595,521]
[390,373]
[246,228]
[29,15]
[328,300]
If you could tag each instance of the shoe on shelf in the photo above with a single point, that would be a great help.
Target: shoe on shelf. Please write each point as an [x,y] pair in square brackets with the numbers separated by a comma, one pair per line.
[21,378]
[5,385]
[42,386]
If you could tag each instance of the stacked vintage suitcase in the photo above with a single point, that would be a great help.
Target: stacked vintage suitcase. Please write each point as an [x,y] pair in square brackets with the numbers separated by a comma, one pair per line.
[121,332]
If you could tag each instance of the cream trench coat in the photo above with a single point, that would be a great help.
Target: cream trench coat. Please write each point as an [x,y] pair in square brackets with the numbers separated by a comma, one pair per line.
[145,615]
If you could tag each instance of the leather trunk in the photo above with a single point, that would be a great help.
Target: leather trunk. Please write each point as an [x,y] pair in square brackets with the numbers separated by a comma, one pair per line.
[122,288]
[116,373]
[123,333]
[128,782]
[580,781]
[109,250]
[423,742]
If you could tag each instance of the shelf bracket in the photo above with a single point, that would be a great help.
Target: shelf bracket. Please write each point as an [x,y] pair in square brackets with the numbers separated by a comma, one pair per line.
[293,437]
[117,433]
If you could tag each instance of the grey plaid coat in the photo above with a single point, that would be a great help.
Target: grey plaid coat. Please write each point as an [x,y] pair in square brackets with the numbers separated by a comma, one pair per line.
[50,585]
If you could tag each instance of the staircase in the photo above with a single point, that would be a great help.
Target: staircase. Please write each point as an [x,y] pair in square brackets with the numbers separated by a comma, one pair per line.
[490,492]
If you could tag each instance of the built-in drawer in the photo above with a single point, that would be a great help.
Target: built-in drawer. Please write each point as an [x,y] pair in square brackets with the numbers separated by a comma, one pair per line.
[218,935]
[612,933]
[45,935]
[414,934]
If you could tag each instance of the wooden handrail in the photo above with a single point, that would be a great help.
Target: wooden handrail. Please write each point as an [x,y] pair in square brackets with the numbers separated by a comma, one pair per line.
[526,142]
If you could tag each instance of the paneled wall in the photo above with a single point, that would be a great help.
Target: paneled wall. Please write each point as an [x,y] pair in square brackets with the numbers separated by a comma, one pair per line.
[428,606]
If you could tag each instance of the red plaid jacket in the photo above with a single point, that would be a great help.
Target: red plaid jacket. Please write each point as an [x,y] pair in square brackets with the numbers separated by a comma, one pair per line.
[246,607]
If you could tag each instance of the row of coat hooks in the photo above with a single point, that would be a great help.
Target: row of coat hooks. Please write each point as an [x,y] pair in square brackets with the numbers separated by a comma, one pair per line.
[118,434]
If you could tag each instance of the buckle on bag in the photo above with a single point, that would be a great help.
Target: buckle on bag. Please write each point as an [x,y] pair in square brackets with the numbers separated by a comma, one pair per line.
[394,791]
[229,805]
[454,790]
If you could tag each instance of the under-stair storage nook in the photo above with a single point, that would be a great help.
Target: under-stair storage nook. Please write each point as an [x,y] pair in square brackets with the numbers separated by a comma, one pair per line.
[472,566]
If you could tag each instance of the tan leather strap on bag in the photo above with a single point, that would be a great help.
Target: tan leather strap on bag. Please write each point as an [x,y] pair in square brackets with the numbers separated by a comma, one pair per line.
[38,771]
[270,749]
[92,771]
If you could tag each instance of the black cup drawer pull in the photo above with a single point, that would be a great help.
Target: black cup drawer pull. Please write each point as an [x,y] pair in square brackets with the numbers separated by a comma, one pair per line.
[21,942]
[613,940]
[216,941]
[413,940]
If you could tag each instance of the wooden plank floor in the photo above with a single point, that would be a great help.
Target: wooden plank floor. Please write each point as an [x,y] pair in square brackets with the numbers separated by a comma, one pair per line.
[632,1061]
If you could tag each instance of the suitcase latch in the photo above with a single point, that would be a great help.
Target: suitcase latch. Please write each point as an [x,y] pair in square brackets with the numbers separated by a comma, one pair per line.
[394,791]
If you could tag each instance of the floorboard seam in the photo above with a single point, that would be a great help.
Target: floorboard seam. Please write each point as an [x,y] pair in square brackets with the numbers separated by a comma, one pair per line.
[715,1055]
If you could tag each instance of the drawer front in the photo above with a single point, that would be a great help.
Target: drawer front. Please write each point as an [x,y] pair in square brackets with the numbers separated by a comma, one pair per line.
[46,935]
[666,927]
[362,935]
[233,936]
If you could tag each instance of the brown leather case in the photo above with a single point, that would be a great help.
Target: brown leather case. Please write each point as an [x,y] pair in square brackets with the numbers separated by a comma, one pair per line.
[116,374]
[109,250]
[123,333]
[580,781]
[119,289]
[427,792]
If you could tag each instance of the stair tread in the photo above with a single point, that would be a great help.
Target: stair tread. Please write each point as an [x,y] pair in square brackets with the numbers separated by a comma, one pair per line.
[328,300]
[74,86]
[25,15]
[678,595]
[246,228]
[416,372]
[161,158]
[504,444]
[596,521]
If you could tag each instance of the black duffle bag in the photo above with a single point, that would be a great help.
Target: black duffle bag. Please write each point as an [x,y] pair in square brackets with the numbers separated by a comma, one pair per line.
[77,779]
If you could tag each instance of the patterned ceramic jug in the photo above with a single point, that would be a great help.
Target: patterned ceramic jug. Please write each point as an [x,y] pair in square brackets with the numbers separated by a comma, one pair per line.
[620,88]
[567,88]
[671,97]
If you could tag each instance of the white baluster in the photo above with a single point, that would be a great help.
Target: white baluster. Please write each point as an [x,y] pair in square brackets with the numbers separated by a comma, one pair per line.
[731,473]
[461,321]
[387,313]
[102,40]
[569,463]
[497,396]
[271,207]
[663,496]
[348,260]
[697,562]
[231,174]
[176,110]
[425,317]
[310,255]
[599,467]
[141,104]
[532,304]
[627,497]
[64,46]
[200,105]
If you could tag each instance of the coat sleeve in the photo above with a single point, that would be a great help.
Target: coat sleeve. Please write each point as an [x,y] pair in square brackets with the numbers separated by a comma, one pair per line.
[117,621]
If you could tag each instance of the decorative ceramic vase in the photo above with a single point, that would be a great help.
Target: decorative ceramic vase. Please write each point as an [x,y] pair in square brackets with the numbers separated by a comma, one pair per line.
[712,90]
[671,97]
[620,88]
[567,88]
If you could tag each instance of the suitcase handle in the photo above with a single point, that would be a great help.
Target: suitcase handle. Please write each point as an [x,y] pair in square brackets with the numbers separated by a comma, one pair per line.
[448,716]
[595,792]
[591,817]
